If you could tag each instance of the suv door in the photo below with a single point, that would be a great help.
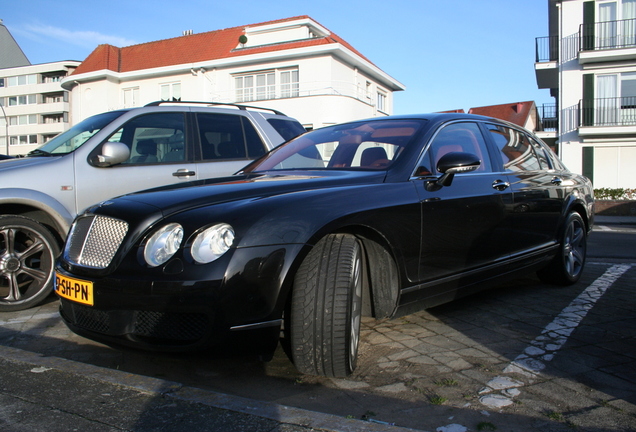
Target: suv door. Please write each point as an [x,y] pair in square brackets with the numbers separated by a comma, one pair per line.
[226,144]
[536,187]
[463,224]
[159,156]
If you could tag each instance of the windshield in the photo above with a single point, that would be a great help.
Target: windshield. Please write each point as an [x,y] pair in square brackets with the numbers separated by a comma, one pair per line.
[371,145]
[73,138]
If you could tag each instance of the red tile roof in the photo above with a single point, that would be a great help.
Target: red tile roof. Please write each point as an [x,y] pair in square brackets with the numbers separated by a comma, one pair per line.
[517,113]
[194,48]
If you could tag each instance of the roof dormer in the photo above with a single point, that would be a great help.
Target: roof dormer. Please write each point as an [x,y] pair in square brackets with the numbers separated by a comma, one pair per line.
[294,30]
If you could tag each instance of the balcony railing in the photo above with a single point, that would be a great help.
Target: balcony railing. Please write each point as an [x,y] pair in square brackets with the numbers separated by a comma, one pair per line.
[546,49]
[608,35]
[549,118]
[618,111]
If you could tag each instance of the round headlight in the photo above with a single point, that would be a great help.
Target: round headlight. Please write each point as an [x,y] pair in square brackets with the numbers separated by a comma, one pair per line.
[212,243]
[163,244]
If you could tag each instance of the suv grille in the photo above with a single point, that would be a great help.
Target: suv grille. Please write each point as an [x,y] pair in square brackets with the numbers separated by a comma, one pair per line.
[94,240]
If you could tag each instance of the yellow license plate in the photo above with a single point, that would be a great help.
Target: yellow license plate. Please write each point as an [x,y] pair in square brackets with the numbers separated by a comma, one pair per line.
[77,290]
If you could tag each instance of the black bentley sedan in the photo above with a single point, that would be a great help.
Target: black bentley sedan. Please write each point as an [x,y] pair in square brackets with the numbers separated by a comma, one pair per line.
[374,218]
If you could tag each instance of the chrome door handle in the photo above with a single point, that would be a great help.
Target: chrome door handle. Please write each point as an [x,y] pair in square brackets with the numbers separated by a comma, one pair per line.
[556,181]
[500,185]
[183,173]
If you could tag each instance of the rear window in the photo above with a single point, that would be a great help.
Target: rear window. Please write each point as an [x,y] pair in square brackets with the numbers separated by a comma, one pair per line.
[288,129]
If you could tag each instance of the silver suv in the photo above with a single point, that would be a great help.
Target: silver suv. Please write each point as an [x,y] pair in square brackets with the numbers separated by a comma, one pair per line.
[112,154]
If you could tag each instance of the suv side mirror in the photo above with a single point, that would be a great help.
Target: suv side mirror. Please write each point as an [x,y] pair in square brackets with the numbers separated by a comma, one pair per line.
[451,164]
[113,153]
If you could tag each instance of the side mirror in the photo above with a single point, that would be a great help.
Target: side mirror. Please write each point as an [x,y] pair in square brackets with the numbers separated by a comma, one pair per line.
[112,153]
[451,164]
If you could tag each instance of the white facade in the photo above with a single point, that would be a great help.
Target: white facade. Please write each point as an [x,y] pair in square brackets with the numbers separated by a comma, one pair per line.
[318,84]
[35,108]
[594,79]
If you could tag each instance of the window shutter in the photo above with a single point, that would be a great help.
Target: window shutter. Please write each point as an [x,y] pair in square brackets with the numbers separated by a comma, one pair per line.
[588,26]
[587,115]
[588,163]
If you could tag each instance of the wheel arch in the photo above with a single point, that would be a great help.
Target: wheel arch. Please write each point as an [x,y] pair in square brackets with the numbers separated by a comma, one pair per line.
[40,212]
[381,292]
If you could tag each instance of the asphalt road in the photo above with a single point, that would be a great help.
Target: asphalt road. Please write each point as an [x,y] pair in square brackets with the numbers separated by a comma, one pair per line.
[521,357]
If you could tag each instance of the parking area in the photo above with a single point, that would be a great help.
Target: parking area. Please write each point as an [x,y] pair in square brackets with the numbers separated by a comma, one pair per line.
[523,356]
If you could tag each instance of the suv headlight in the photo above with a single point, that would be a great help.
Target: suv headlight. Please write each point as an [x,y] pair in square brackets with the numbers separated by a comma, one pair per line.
[212,243]
[163,244]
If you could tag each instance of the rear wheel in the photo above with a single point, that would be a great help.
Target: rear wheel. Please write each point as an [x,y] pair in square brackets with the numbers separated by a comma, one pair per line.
[326,307]
[27,258]
[567,266]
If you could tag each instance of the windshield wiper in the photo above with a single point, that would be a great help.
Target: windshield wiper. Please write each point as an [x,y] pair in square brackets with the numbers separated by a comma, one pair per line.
[38,152]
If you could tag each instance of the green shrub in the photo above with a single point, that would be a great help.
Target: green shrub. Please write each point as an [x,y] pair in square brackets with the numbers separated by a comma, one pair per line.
[614,194]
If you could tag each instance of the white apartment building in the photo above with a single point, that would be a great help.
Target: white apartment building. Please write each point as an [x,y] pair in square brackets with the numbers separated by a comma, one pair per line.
[294,65]
[589,64]
[35,108]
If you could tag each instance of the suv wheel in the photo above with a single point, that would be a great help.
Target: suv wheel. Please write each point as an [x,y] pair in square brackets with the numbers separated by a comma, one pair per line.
[27,258]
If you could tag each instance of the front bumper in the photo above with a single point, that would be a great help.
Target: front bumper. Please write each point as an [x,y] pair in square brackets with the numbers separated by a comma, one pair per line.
[176,315]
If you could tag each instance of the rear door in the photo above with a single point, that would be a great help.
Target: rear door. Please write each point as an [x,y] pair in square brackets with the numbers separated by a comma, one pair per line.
[227,142]
[536,187]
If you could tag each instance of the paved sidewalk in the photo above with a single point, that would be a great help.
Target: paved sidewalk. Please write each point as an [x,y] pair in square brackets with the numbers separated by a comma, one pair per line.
[448,369]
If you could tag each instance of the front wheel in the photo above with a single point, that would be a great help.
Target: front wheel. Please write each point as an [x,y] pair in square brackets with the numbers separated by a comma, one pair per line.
[27,258]
[566,267]
[326,307]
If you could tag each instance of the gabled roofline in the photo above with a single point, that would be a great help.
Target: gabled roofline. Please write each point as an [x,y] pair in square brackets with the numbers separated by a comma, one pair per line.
[335,49]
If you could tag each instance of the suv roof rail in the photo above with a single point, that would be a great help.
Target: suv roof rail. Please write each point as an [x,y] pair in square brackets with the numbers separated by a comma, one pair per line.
[241,107]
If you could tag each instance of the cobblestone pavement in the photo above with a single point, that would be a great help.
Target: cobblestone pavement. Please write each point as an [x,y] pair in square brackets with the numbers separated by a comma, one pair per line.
[521,357]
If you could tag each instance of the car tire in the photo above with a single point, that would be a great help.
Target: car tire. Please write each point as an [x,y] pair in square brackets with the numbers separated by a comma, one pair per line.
[326,307]
[27,258]
[566,267]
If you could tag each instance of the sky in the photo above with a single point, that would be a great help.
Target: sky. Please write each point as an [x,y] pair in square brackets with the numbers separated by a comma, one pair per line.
[448,54]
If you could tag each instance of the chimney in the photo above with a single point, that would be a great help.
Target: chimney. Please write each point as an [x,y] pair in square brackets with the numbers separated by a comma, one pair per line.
[187,32]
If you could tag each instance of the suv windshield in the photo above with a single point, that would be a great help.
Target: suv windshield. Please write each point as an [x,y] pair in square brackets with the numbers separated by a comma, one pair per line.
[364,145]
[73,138]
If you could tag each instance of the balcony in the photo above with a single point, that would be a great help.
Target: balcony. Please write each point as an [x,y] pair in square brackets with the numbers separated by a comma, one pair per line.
[607,41]
[549,118]
[608,116]
[546,61]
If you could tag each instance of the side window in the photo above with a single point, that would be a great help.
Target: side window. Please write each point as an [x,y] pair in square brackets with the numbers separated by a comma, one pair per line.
[228,137]
[541,153]
[153,138]
[516,151]
[461,137]
[288,129]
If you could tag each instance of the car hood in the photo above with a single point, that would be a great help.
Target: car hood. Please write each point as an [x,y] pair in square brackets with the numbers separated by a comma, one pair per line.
[251,186]
[19,163]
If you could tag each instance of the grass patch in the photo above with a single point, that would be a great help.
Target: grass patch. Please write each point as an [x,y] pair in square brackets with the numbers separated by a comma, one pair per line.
[486,426]
[437,400]
[556,416]
[446,382]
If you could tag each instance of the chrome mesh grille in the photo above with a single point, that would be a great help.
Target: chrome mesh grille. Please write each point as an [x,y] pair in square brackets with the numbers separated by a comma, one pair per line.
[94,240]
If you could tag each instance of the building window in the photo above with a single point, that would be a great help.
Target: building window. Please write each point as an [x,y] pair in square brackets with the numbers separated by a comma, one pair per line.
[263,85]
[255,87]
[22,80]
[22,100]
[289,83]
[381,102]
[131,97]
[171,92]
[23,120]
[615,101]
[23,140]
